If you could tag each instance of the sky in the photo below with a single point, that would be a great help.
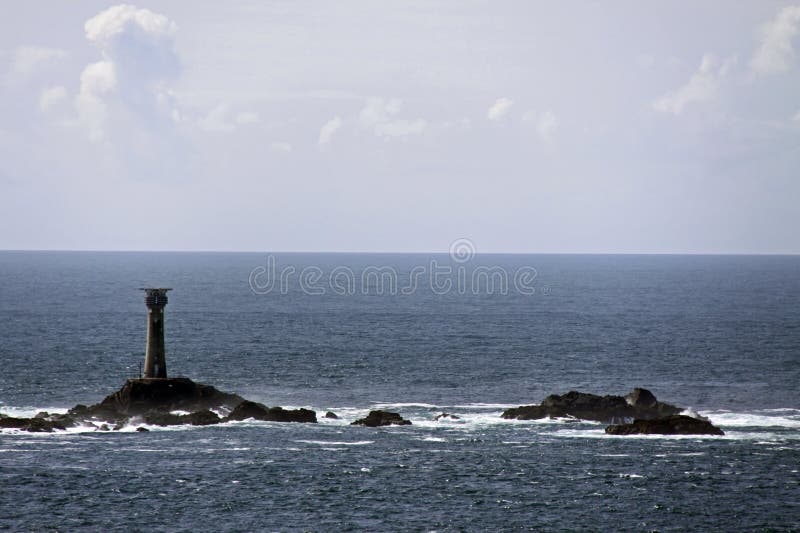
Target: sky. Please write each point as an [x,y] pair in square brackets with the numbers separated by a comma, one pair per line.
[372,126]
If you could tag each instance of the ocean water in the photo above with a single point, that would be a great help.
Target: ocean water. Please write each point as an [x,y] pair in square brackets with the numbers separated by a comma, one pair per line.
[717,334]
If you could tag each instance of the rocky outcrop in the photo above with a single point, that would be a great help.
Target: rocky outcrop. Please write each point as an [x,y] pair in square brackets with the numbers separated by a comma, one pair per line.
[668,425]
[34,425]
[331,415]
[381,418]
[154,402]
[258,411]
[446,416]
[638,404]
[140,396]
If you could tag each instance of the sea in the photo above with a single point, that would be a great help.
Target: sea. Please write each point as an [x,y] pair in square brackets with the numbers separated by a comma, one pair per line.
[419,334]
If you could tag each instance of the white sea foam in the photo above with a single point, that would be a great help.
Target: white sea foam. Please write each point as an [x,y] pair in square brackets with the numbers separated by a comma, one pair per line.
[788,418]
[30,412]
[502,406]
[765,425]
[694,414]
[433,439]
[401,405]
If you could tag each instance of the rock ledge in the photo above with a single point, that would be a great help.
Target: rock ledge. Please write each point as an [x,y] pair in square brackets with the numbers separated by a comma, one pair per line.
[638,404]
[668,425]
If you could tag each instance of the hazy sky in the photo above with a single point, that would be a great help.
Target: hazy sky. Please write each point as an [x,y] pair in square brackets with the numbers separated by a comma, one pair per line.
[401,126]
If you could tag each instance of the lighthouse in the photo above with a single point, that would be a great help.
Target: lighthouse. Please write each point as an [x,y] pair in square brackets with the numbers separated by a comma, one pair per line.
[155,363]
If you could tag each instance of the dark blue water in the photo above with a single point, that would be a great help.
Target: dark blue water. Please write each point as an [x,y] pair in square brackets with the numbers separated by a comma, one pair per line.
[718,334]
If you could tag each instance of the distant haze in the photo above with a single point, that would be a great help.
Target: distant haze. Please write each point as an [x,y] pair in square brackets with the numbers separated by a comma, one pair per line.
[592,127]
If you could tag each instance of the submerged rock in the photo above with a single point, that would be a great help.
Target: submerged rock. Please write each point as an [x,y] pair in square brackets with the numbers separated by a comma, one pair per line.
[142,430]
[382,418]
[447,415]
[331,415]
[258,411]
[668,425]
[638,404]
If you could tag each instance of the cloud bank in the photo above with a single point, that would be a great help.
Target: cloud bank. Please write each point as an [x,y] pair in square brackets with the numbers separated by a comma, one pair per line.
[701,87]
[138,59]
[381,116]
[328,129]
[776,52]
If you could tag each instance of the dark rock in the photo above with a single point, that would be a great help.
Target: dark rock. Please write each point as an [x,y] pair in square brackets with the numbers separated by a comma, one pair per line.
[139,396]
[104,427]
[247,409]
[35,425]
[142,430]
[42,425]
[11,422]
[65,420]
[641,398]
[158,418]
[156,399]
[447,415]
[668,425]
[332,415]
[204,418]
[199,418]
[640,403]
[96,412]
[79,410]
[382,418]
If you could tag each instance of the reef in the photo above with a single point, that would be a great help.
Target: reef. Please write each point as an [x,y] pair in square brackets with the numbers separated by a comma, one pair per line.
[382,418]
[181,401]
[638,404]
[159,402]
[668,425]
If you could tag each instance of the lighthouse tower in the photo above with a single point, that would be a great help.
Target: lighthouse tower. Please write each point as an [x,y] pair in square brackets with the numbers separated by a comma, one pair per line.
[155,363]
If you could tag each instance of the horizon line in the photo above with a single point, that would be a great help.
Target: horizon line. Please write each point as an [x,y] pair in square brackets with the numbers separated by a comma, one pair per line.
[361,252]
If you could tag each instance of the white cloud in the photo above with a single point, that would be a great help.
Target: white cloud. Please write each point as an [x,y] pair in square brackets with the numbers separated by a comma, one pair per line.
[281,146]
[328,129]
[380,115]
[701,87]
[546,124]
[28,59]
[52,97]
[217,120]
[775,52]
[138,58]
[96,80]
[379,111]
[499,109]
[401,128]
[221,120]
[140,40]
